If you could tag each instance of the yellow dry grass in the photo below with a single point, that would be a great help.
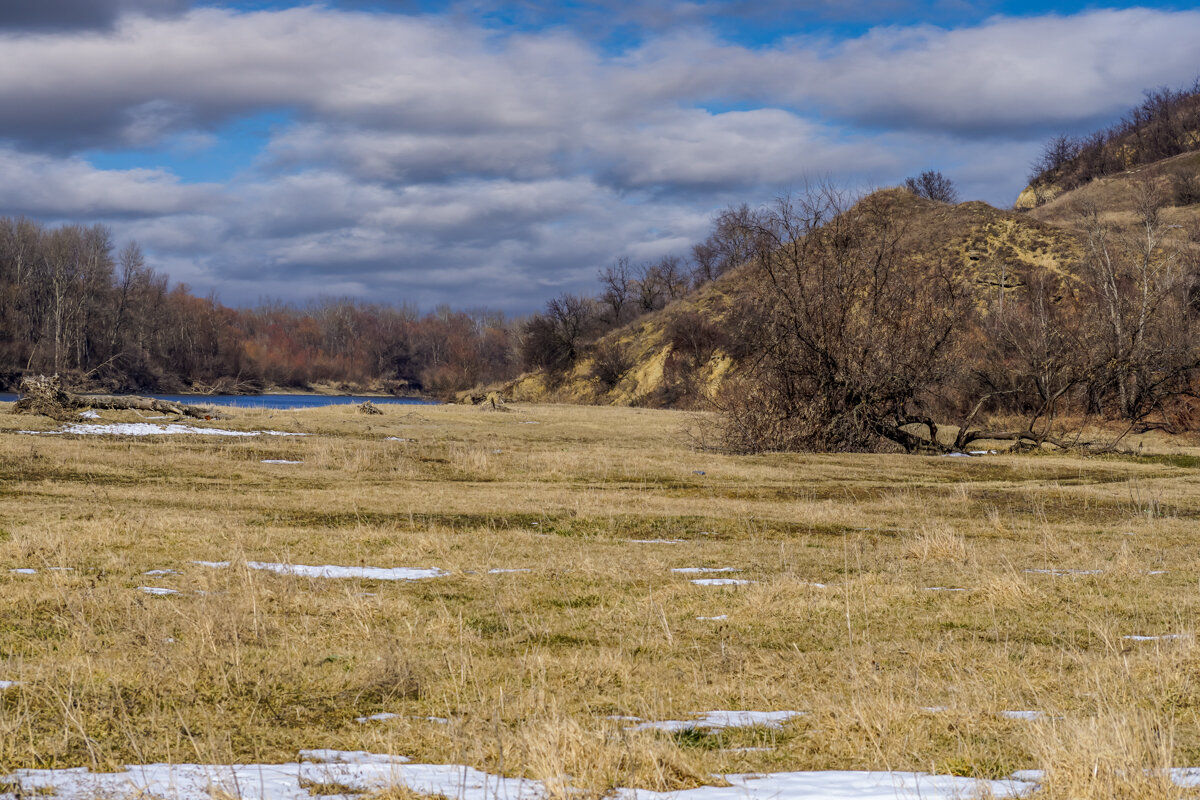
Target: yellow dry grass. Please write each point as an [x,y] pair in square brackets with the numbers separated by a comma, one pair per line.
[849,615]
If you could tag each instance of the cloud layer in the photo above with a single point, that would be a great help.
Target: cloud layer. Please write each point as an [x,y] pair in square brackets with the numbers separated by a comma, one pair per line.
[427,159]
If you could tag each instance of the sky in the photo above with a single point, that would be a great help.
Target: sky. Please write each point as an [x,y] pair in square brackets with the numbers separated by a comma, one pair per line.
[488,153]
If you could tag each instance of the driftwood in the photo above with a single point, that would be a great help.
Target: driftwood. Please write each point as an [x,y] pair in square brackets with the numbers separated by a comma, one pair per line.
[45,396]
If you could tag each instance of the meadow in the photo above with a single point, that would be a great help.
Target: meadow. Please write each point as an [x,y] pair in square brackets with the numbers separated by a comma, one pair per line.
[961,616]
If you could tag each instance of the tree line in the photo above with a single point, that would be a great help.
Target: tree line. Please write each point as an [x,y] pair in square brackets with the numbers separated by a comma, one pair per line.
[72,304]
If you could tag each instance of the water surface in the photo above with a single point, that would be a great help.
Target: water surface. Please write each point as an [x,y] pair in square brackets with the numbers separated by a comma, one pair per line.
[278,401]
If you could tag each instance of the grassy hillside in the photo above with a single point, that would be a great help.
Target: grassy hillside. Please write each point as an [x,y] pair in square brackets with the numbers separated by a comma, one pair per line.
[1117,196]
[994,250]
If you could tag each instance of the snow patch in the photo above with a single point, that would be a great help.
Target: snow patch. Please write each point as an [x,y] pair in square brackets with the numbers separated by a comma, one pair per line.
[384,717]
[1060,572]
[1028,716]
[332,571]
[357,772]
[843,784]
[713,619]
[508,571]
[1163,637]
[280,461]
[655,541]
[23,571]
[719,582]
[8,684]
[161,572]
[698,570]
[147,429]
[943,589]
[717,720]
[89,414]
[156,590]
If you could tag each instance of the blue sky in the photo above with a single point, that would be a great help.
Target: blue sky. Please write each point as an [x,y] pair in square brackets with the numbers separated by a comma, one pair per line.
[490,153]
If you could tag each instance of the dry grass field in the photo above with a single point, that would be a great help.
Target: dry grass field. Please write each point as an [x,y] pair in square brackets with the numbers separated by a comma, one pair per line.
[905,604]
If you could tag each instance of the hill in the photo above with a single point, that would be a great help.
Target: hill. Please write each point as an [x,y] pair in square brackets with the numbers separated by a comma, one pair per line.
[679,356]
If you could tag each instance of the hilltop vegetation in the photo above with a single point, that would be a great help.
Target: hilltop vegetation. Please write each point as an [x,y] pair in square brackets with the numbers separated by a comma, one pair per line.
[1166,124]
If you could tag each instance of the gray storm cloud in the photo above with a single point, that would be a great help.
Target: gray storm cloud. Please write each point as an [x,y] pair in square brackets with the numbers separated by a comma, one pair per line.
[68,14]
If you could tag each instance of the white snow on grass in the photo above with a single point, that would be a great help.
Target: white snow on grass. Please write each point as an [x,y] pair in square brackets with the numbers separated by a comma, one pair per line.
[499,571]
[384,717]
[1162,637]
[397,439]
[157,590]
[332,571]
[717,618]
[8,684]
[943,589]
[655,541]
[148,429]
[1028,716]
[1060,572]
[23,571]
[360,772]
[161,572]
[89,414]
[720,582]
[357,772]
[698,570]
[841,784]
[280,461]
[717,720]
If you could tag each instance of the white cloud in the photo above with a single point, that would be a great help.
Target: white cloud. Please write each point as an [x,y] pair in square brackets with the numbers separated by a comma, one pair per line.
[37,184]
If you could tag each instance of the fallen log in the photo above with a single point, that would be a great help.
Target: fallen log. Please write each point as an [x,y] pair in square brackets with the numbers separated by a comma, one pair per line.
[45,396]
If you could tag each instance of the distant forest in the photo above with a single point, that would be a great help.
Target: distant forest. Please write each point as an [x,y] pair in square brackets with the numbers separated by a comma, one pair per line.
[71,304]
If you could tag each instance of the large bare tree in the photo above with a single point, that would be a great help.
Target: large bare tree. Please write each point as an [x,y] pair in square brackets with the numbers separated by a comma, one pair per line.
[846,331]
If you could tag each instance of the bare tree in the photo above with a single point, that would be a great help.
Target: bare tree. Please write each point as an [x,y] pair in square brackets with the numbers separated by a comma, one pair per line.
[1137,282]
[730,244]
[617,282]
[554,340]
[932,185]
[851,335]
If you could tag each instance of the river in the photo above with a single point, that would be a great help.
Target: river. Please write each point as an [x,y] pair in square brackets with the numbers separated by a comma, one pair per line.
[278,401]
